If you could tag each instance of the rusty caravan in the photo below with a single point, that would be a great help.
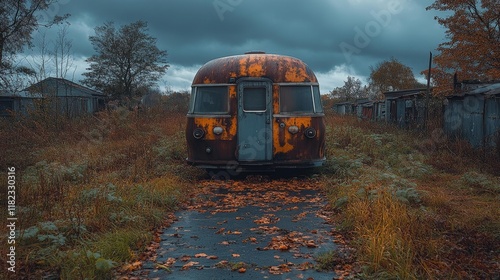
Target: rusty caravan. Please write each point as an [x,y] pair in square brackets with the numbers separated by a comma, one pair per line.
[255,111]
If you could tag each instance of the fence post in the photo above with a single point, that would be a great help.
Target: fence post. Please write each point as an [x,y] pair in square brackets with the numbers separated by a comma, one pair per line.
[428,93]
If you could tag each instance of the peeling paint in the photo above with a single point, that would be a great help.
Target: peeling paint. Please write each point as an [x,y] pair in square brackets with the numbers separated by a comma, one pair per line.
[284,141]
[208,124]
[294,74]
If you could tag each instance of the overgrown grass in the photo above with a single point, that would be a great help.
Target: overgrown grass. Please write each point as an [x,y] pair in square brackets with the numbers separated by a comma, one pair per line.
[407,217]
[89,191]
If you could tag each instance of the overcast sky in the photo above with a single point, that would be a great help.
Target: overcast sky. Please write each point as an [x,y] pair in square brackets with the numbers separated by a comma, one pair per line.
[336,38]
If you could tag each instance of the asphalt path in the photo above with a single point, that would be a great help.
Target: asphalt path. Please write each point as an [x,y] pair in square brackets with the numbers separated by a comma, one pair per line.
[256,228]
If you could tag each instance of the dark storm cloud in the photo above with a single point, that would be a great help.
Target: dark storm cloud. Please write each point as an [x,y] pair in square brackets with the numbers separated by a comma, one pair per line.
[323,33]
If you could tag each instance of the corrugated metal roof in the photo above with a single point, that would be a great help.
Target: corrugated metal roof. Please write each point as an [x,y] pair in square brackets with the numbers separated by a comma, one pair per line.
[488,90]
[61,88]
[492,89]
[362,101]
[343,103]
[21,94]
[404,93]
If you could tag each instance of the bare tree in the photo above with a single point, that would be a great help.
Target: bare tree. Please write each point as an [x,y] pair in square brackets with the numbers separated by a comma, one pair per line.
[40,62]
[55,62]
[63,58]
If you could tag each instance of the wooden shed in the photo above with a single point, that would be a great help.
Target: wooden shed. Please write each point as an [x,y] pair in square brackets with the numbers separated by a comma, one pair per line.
[364,108]
[344,108]
[406,108]
[474,115]
[17,103]
[58,95]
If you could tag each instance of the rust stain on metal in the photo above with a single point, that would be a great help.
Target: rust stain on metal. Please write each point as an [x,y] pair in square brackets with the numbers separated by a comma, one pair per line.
[232,94]
[295,74]
[297,146]
[256,70]
[285,141]
[279,69]
[208,124]
[276,98]
[243,67]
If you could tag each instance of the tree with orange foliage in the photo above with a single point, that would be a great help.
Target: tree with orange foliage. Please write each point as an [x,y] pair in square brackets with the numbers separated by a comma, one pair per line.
[441,81]
[473,46]
[392,75]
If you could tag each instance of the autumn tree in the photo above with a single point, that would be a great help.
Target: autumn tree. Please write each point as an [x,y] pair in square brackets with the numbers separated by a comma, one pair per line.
[473,33]
[127,59]
[441,81]
[391,75]
[18,20]
[327,100]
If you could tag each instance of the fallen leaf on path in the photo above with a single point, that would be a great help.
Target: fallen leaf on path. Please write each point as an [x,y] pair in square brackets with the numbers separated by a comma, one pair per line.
[200,255]
[132,266]
[305,266]
[170,261]
[189,265]
[311,244]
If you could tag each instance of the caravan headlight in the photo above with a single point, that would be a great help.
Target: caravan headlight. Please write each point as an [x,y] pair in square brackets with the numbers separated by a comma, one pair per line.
[198,133]
[218,130]
[293,129]
[310,132]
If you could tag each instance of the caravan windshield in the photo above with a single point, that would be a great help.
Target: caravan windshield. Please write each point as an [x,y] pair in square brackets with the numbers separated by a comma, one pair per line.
[300,99]
[209,100]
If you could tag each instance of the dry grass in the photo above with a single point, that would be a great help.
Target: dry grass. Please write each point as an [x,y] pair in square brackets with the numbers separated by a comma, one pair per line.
[383,224]
[413,215]
[90,190]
